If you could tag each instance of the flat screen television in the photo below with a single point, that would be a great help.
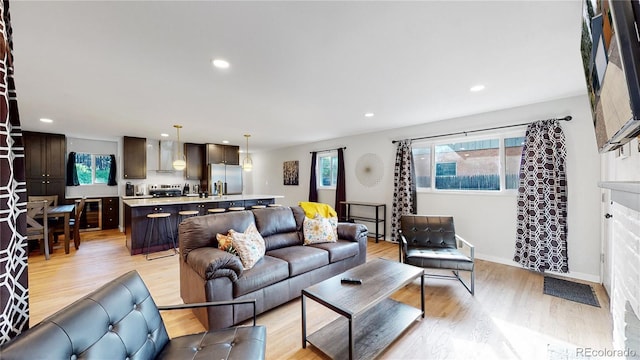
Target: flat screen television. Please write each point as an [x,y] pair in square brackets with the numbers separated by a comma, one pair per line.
[610,50]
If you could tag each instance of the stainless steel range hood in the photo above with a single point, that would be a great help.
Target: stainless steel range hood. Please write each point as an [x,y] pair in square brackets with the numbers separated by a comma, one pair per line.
[168,152]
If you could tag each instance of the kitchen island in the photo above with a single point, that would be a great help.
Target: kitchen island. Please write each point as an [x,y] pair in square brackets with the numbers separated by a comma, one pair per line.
[136,211]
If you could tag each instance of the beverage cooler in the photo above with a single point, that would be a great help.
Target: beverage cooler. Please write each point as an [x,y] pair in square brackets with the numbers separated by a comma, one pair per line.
[91,218]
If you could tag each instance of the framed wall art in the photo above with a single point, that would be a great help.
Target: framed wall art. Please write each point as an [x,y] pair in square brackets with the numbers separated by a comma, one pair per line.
[290,172]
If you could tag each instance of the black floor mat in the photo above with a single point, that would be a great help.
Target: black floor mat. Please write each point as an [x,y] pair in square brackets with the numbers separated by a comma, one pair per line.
[570,290]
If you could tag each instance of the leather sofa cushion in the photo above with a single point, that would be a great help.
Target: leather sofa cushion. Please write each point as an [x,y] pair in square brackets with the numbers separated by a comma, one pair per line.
[200,231]
[277,226]
[339,250]
[277,220]
[301,258]
[441,259]
[233,343]
[267,271]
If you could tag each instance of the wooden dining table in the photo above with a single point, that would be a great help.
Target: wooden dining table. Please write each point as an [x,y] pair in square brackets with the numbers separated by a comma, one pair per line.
[64,211]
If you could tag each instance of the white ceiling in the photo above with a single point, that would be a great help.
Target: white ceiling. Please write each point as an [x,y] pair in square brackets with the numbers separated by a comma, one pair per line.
[300,71]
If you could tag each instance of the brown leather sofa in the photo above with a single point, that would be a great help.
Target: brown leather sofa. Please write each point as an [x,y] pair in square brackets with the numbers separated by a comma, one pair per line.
[210,274]
[120,320]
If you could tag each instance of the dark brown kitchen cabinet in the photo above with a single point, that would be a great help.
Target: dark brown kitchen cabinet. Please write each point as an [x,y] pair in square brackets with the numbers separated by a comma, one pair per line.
[45,163]
[194,154]
[134,158]
[110,212]
[223,154]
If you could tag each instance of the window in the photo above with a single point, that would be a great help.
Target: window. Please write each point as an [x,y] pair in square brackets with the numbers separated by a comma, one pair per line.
[422,165]
[328,170]
[471,165]
[92,169]
[512,153]
[485,164]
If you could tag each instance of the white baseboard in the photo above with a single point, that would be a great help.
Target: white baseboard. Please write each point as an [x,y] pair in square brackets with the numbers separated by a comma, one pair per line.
[570,274]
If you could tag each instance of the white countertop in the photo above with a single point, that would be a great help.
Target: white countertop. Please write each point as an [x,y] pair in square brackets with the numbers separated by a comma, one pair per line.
[178,200]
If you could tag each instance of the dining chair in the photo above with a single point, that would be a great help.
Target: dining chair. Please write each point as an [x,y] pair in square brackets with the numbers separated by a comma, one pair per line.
[74,226]
[36,230]
[51,199]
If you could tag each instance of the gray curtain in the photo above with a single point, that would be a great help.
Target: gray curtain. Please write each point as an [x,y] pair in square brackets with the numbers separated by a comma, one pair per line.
[14,284]
[404,187]
[541,239]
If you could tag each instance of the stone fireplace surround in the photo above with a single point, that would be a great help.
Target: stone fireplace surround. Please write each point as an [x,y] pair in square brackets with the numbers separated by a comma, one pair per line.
[625,265]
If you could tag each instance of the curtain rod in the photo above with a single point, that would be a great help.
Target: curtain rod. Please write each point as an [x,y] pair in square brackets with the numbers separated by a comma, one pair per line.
[566,118]
[319,151]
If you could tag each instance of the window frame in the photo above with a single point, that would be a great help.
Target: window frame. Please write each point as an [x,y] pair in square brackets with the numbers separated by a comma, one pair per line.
[331,155]
[93,168]
[500,136]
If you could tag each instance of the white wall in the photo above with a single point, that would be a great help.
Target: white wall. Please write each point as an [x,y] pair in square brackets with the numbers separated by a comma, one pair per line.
[486,220]
[102,147]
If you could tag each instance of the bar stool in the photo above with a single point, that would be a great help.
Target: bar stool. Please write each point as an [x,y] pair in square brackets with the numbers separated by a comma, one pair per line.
[216,210]
[236,208]
[187,213]
[151,223]
[258,206]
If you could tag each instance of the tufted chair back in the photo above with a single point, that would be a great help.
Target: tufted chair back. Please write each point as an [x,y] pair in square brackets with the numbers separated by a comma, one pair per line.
[428,231]
[118,321]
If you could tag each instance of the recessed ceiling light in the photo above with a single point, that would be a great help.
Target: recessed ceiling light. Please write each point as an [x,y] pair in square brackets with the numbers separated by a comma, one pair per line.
[164,135]
[369,114]
[225,141]
[220,64]
[476,88]
[45,120]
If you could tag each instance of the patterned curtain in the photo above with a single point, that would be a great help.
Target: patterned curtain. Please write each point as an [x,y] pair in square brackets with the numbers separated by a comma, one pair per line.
[541,239]
[313,186]
[404,187]
[14,286]
[341,187]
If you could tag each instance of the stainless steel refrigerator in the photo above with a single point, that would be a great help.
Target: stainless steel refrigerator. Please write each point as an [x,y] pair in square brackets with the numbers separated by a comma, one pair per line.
[230,175]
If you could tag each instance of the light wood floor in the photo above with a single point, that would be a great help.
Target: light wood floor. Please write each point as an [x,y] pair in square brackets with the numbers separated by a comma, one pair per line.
[508,318]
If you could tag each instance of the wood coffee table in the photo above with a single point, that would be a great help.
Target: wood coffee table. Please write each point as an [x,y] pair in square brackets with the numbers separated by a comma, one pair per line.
[370,320]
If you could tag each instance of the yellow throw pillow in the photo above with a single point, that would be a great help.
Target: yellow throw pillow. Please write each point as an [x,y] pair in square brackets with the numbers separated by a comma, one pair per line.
[313,208]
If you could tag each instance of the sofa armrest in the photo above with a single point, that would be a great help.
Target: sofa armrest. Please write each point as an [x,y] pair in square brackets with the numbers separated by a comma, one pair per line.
[352,232]
[211,303]
[211,263]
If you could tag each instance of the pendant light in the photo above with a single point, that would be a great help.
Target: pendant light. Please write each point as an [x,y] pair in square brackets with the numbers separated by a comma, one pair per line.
[247,163]
[179,163]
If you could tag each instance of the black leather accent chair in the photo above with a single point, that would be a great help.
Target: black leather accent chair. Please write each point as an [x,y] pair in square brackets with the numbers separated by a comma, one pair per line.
[431,242]
[120,320]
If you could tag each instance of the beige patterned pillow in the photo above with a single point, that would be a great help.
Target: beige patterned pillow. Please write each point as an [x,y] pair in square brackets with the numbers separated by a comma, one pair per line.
[249,246]
[320,230]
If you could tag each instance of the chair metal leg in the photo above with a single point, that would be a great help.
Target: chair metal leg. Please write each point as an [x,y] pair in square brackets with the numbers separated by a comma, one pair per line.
[471,286]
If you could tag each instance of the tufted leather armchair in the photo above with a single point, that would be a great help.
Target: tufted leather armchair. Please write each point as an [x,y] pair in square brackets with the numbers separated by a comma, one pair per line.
[120,320]
[431,242]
